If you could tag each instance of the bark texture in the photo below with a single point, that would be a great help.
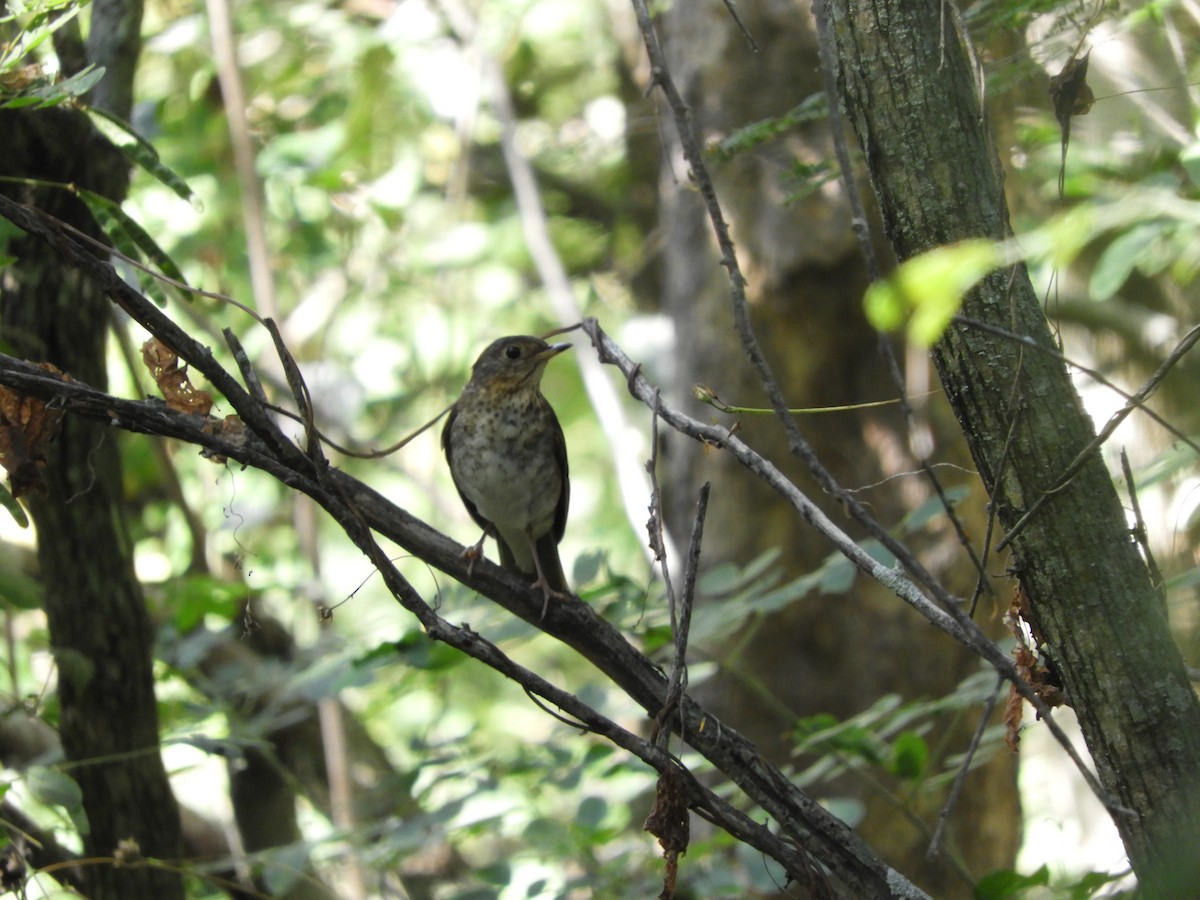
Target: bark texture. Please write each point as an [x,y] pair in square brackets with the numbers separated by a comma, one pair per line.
[99,627]
[909,93]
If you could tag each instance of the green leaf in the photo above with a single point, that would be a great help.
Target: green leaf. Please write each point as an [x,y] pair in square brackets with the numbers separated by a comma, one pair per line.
[1006,884]
[9,502]
[811,109]
[726,578]
[53,787]
[591,814]
[587,566]
[823,733]
[926,291]
[837,574]
[878,552]
[811,725]
[76,86]
[1186,579]
[140,152]
[1120,258]
[1090,883]
[909,755]
[196,596]
[18,590]
[133,241]
[417,650]
[931,509]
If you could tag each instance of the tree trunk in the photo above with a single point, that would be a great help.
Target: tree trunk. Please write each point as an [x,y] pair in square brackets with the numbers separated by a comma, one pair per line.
[100,631]
[910,96]
[99,628]
[806,277]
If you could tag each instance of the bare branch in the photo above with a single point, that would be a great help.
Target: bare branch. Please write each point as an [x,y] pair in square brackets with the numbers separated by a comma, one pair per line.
[950,618]
[360,511]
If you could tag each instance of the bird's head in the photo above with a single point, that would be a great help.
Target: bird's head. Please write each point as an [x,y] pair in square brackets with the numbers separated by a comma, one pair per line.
[515,362]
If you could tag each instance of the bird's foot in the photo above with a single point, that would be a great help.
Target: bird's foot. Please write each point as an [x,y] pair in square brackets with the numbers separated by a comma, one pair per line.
[474,553]
[547,592]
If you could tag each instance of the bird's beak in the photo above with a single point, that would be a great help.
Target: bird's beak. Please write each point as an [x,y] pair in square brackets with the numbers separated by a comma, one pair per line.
[552,351]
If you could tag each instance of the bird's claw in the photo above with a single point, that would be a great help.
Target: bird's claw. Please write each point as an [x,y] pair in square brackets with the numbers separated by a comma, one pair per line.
[473,554]
[547,592]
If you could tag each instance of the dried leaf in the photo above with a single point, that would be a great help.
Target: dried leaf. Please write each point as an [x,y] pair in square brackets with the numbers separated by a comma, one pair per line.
[172,379]
[27,426]
[668,821]
[1031,670]
[1071,96]
[1014,709]
[1069,91]
[16,80]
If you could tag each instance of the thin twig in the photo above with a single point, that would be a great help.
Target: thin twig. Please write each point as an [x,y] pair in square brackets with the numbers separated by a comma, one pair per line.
[1137,401]
[1026,341]
[1141,535]
[245,367]
[952,620]
[229,76]
[731,7]
[935,843]
[681,623]
[656,533]
[862,232]
[998,471]
[798,446]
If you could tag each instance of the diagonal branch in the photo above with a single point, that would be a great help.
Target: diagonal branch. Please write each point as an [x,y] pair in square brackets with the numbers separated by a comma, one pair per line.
[800,448]
[951,619]
[360,510]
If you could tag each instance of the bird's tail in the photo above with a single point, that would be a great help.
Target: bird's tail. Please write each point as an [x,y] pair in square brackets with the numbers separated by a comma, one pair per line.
[552,569]
[547,559]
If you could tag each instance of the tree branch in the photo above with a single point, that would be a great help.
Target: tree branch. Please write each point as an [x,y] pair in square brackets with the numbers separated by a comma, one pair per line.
[360,510]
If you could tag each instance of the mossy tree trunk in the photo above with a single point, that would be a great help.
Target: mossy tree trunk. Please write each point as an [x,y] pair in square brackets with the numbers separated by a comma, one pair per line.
[911,99]
[824,654]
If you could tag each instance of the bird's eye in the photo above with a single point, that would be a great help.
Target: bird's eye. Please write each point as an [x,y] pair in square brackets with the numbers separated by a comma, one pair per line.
[512,351]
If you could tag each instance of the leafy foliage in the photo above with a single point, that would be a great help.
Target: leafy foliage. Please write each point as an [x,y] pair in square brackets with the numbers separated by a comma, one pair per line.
[396,251]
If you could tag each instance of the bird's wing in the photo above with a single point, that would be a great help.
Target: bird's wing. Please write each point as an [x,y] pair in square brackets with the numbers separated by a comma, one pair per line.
[471,508]
[564,498]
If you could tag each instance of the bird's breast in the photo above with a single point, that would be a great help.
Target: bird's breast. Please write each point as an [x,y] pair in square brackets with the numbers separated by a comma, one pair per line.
[504,461]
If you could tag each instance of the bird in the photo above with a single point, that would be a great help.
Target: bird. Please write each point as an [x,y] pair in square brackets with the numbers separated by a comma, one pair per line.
[508,459]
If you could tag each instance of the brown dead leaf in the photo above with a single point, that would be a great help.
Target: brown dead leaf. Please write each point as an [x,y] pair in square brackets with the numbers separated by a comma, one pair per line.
[1071,96]
[16,80]
[1038,676]
[172,379]
[1069,90]
[27,426]
[1014,709]
[668,821]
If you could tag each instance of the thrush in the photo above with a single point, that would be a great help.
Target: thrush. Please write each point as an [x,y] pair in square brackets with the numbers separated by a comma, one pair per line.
[508,460]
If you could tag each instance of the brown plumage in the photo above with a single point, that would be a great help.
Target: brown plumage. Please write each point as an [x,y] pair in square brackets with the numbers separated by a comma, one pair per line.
[508,459]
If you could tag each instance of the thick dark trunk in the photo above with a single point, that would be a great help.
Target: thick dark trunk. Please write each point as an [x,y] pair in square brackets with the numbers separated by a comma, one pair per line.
[909,92]
[99,628]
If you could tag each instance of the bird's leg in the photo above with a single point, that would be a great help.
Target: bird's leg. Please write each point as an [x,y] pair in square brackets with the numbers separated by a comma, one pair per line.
[475,552]
[542,584]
